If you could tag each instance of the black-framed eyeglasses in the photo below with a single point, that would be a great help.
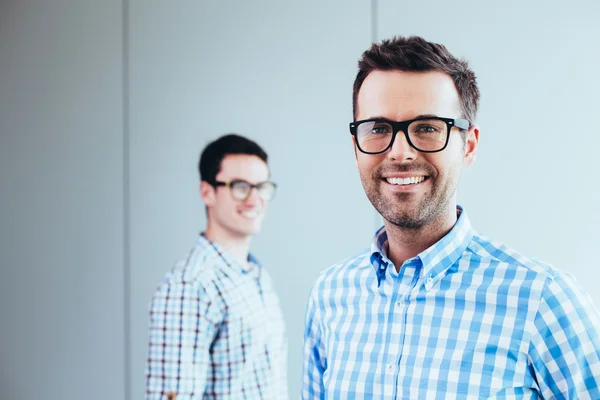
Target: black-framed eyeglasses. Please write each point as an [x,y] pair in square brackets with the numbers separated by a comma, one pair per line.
[426,134]
[240,189]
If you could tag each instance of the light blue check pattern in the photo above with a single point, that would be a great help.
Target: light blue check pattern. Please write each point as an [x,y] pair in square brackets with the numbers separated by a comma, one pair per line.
[467,318]
[216,331]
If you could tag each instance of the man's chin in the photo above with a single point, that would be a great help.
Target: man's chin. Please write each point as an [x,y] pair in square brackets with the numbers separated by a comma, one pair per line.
[403,220]
[251,230]
[407,223]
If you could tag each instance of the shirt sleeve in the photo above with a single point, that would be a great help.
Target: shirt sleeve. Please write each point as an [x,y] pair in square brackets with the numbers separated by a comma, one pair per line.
[315,359]
[565,346]
[182,326]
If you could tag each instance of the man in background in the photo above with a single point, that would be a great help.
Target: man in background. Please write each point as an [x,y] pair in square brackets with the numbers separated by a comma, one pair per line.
[216,328]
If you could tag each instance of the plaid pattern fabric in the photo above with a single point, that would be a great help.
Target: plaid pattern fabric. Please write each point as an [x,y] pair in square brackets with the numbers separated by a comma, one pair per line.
[216,331]
[467,318]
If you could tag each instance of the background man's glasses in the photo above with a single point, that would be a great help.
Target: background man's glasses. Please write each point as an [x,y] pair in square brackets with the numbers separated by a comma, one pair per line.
[240,189]
[426,134]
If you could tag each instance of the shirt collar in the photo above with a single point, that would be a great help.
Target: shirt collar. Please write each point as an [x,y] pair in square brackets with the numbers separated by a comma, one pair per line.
[436,259]
[211,250]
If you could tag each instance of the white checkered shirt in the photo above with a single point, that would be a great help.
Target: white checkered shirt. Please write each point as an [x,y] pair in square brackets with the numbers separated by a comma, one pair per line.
[216,331]
[467,318]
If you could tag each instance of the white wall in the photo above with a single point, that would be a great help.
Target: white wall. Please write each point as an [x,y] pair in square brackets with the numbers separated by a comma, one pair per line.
[101,128]
[61,196]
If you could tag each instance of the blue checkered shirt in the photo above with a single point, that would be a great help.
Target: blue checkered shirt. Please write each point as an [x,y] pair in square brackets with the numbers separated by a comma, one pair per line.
[468,318]
[216,331]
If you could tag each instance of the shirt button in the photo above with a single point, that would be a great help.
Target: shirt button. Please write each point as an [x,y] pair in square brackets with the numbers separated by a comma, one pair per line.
[399,303]
[428,283]
[390,367]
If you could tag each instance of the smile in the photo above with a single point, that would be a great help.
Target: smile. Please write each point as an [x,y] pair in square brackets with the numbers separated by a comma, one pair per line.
[249,214]
[410,180]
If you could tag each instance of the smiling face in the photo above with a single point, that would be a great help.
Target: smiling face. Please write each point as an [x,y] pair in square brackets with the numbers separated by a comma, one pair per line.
[230,217]
[409,188]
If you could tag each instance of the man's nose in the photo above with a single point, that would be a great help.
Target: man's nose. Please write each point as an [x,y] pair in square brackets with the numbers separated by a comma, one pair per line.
[401,149]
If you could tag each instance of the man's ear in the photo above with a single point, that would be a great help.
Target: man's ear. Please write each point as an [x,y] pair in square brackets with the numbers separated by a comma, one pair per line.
[207,192]
[471,145]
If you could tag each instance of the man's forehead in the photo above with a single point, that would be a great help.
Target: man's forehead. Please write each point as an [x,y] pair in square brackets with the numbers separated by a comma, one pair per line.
[430,92]
[243,166]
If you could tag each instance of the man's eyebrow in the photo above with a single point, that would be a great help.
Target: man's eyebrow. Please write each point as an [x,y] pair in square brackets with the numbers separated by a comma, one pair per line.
[245,180]
[415,117]
[427,116]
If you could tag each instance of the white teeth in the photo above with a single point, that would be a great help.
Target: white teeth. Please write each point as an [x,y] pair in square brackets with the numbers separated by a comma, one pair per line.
[250,214]
[405,181]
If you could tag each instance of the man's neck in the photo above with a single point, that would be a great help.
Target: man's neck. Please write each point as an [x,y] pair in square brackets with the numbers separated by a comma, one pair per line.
[237,246]
[406,243]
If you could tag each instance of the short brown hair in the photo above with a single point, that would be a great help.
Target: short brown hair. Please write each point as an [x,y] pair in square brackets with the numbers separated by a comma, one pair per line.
[416,54]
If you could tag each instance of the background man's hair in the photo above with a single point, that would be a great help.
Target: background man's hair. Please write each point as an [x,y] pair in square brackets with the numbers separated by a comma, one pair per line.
[213,154]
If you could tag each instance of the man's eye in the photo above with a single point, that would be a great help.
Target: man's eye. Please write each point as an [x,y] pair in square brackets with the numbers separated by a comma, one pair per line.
[381,129]
[427,129]
[240,185]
